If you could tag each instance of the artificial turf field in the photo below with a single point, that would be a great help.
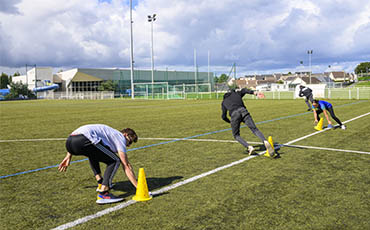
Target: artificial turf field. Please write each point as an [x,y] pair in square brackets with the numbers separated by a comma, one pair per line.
[304,189]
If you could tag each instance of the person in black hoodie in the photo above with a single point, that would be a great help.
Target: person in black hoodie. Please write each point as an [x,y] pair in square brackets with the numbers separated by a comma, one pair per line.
[233,103]
[306,92]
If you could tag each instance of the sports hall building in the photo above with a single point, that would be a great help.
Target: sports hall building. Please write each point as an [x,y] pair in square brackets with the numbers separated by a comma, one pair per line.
[89,79]
[82,79]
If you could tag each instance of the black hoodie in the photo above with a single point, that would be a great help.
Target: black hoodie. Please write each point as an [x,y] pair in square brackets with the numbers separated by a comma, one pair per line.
[233,101]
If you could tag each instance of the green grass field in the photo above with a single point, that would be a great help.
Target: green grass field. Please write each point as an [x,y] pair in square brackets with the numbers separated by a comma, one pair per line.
[304,189]
[363,84]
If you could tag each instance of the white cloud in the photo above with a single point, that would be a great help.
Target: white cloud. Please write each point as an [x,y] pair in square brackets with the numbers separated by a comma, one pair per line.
[259,35]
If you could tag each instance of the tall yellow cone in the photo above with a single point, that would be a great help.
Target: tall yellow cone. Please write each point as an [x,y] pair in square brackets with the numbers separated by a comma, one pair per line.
[267,154]
[142,193]
[319,125]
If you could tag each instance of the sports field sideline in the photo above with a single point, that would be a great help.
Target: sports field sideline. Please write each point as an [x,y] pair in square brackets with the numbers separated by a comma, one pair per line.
[307,188]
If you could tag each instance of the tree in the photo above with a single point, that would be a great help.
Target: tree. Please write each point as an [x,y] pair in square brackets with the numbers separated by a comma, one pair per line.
[363,67]
[107,86]
[223,78]
[19,90]
[16,74]
[4,81]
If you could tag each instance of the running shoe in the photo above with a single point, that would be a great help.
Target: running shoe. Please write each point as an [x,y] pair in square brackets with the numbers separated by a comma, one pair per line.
[107,198]
[250,150]
[330,126]
[269,148]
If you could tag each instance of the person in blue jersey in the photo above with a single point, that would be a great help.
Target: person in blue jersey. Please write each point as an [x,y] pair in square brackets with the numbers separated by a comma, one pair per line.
[101,143]
[321,106]
[233,102]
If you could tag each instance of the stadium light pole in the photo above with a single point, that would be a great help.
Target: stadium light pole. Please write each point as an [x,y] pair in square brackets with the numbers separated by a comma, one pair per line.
[309,60]
[131,53]
[151,19]
[208,67]
[195,71]
[35,80]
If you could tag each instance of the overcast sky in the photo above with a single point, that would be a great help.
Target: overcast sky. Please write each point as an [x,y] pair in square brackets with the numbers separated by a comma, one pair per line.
[260,36]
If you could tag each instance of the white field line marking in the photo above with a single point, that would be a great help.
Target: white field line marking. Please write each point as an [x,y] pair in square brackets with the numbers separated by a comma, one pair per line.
[323,148]
[198,140]
[251,142]
[142,138]
[42,139]
[170,187]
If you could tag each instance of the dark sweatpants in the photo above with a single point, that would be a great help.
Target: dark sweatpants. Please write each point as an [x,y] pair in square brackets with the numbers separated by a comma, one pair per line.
[239,116]
[80,145]
[331,111]
[309,98]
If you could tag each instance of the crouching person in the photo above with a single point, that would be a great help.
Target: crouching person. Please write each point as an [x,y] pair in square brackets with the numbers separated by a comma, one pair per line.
[101,143]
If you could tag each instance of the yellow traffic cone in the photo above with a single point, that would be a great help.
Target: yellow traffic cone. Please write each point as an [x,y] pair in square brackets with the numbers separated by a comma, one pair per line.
[319,125]
[267,154]
[142,193]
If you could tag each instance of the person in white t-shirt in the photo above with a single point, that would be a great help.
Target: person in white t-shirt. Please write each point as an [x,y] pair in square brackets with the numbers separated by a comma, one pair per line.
[101,143]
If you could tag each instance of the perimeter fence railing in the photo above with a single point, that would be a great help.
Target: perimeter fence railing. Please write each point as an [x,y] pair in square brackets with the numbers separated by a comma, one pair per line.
[178,92]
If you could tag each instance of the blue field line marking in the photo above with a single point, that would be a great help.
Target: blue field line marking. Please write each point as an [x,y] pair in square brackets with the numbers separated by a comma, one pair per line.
[39,169]
[175,140]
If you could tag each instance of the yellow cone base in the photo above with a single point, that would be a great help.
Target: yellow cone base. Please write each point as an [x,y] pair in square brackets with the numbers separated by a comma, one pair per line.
[142,192]
[267,154]
[141,198]
[319,125]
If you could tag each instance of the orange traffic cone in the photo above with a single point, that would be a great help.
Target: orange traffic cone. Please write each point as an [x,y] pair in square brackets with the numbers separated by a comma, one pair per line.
[142,192]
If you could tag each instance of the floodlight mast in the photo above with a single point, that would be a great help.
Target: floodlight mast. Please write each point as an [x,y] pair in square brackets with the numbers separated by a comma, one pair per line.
[131,53]
[151,19]
[195,71]
[309,52]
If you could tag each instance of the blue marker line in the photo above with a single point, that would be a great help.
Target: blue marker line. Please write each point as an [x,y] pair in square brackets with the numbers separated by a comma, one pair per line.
[175,140]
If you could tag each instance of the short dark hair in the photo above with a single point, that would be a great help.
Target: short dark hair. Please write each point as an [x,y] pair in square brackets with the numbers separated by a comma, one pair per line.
[131,134]
[315,101]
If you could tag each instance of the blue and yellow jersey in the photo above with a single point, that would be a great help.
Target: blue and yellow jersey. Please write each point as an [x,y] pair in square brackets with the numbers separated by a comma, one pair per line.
[323,105]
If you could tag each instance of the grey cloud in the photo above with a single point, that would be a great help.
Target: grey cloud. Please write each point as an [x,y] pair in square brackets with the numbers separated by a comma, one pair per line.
[256,34]
[9,6]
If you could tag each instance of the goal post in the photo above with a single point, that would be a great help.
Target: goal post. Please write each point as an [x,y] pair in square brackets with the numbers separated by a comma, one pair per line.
[156,90]
[163,90]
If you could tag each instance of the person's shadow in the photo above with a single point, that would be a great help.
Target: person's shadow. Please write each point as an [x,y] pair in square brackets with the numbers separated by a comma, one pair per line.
[152,182]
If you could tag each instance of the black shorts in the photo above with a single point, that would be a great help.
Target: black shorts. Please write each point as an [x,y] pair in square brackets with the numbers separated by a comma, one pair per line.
[79,145]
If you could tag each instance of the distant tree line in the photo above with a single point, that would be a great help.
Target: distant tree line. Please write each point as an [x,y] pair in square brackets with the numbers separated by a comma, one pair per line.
[363,68]
[221,79]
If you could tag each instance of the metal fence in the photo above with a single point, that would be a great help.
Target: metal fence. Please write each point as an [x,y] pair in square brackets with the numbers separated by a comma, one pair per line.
[358,93]
[330,93]
[92,95]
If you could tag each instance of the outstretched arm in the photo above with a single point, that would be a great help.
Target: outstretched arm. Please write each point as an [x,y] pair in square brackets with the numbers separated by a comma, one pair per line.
[315,116]
[65,163]
[127,168]
[327,116]
[245,91]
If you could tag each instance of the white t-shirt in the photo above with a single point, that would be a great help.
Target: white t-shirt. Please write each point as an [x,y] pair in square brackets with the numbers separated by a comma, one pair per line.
[110,137]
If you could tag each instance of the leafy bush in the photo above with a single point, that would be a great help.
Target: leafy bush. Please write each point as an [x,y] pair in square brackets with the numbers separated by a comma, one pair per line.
[19,90]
